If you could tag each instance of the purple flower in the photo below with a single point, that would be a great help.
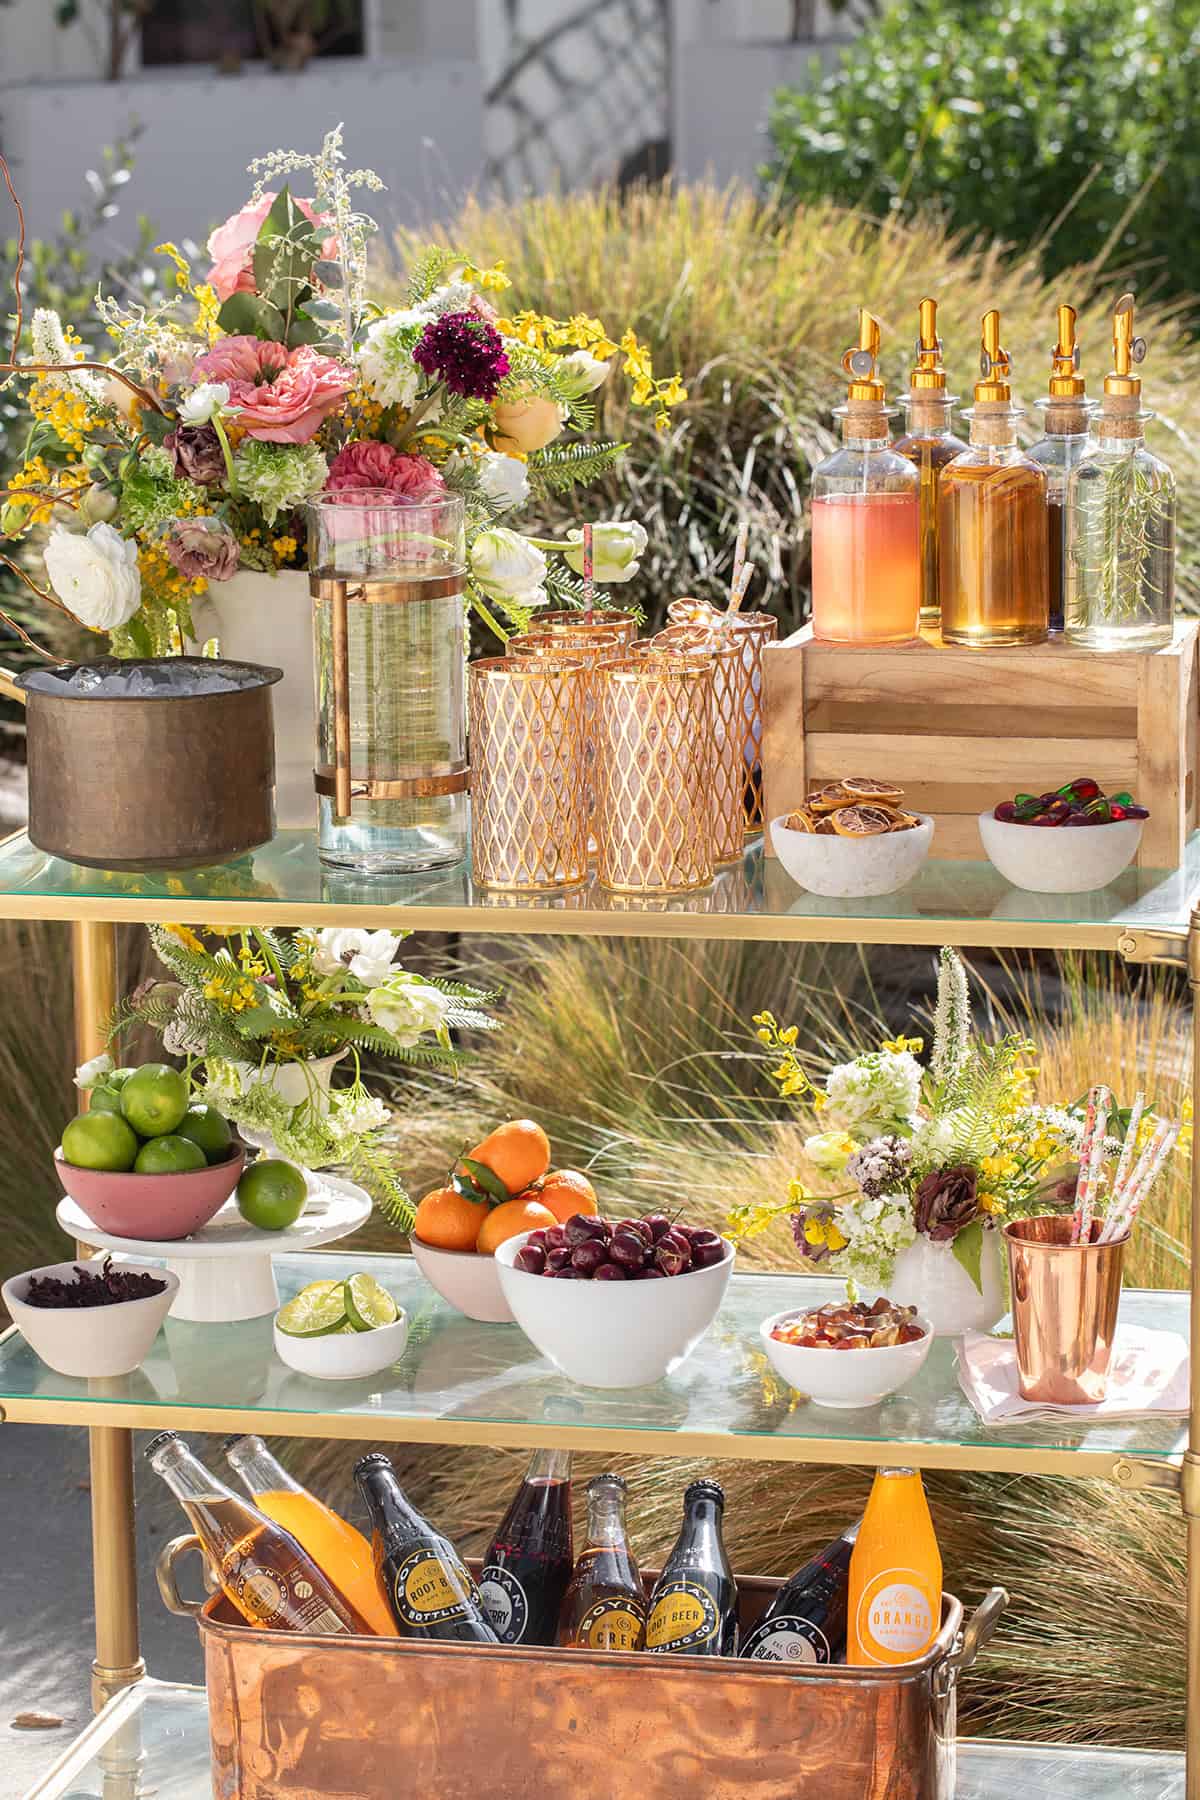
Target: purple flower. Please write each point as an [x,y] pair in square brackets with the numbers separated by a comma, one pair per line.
[945,1202]
[811,1252]
[882,1166]
[202,549]
[466,352]
[196,453]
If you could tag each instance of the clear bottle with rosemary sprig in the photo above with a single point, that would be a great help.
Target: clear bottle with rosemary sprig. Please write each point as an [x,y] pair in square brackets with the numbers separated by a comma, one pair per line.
[1120,526]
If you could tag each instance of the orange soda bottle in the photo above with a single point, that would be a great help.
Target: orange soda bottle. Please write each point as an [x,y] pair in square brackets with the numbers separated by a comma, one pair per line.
[334,1545]
[895,1600]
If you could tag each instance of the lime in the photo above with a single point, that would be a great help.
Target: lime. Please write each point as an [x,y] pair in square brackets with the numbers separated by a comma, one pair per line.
[314,1315]
[321,1287]
[271,1195]
[369,1305]
[169,1155]
[154,1099]
[104,1099]
[116,1078]
[99,1140]
[205,1126]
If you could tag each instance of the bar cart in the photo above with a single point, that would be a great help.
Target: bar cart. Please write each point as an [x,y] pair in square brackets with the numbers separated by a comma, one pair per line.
[152,1734]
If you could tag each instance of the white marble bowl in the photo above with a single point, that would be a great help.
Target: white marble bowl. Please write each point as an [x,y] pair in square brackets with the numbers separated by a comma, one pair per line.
[1060,859]
[841,868]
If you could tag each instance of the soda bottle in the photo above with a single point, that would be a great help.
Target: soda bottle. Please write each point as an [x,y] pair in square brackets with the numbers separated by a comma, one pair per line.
[806,1621]
[429,1587]
[894,1606]
[333,1544]
[604,1607]
[265,1572]
[529,1562]
[693,1609]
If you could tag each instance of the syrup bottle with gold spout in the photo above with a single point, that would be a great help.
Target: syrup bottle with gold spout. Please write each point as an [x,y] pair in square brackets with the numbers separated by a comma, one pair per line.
[930,444]
[1120,546]
[866,570]
[992,520]
[1067,416]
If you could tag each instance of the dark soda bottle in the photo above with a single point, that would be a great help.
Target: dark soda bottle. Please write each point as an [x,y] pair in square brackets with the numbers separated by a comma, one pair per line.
[429,1587]
[528,1565]
[693,1609]
[265,1572]
[604,1607]
[806,1621]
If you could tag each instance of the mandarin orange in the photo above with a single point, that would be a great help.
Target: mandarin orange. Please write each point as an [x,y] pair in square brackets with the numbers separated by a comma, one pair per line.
[519,1153]
[564,1191]
[449,1222]
[510,1219]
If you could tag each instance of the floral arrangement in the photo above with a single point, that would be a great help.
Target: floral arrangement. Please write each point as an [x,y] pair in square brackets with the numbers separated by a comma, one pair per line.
[273,376]
[950,1150]
[264,1000]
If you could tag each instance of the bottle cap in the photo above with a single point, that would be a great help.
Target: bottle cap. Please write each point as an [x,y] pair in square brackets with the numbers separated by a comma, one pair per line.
[1066,383]
[995,364]
[1127,350]
[156,1443]
[374,1460]
[610,1480]
[234,1438]
[704,1490]
[859,363]
[928,376]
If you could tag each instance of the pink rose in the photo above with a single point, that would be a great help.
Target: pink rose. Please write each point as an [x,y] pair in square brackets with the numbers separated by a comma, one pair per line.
[282,396]
[231,245]
[367,463]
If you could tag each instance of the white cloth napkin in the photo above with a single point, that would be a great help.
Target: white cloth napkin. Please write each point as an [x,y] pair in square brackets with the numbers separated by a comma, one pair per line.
[1148,1377]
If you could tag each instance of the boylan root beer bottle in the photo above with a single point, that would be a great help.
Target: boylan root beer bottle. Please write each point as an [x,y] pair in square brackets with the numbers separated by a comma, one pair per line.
[694,1608]
[604,1607]
[429,1587]
[528,1564]
[265,1573]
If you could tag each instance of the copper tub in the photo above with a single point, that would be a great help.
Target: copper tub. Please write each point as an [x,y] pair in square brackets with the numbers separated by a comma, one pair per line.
[299,1718]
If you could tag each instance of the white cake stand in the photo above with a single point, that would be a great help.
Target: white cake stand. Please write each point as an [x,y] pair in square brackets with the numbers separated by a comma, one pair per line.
[224,1269]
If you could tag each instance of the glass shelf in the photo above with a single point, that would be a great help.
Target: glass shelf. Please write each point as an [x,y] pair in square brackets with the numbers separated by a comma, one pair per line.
[464,1383]
[964,903]
[153,1740]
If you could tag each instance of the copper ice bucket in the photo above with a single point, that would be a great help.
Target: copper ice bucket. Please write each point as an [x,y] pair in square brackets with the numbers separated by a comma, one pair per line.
[301,1718]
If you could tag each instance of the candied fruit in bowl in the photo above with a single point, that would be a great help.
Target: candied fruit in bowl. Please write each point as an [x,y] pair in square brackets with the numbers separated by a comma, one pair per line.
[849,1326]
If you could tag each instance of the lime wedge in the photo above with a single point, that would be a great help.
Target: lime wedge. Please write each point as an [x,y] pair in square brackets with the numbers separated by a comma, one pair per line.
[368,1305]
[314,1314]
[322,1287]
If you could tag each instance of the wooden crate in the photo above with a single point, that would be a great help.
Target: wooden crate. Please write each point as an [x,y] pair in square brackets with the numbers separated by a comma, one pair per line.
[961,729]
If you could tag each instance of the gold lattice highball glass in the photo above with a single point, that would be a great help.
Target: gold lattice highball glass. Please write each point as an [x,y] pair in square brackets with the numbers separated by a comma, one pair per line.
[387,577]
[654,774]
[729,765]
[751,632]
[529,816]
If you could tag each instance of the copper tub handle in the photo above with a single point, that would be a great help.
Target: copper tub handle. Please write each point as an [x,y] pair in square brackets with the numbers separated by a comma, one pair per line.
[168,1584]
[10,688]
[978,1631]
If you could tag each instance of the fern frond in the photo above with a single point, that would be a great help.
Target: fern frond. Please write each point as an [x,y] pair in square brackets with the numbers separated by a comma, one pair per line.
[560,466]
[430,268]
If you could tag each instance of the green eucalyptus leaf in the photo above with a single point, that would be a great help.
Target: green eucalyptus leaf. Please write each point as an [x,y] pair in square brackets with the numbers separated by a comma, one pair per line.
[484,1178]
[968,1250]
[303,330]
[249,315]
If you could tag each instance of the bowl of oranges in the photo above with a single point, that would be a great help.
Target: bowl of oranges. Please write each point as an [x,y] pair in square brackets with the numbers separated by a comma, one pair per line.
[852,839]
[502,1189]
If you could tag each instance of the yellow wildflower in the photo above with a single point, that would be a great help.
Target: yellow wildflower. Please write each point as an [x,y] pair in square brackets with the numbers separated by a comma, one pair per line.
[186,936]
[988,1203]
[900,1045]
[834,1238]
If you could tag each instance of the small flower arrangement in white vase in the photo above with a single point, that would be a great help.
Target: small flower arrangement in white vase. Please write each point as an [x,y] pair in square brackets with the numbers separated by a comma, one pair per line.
[271,1015]
[926,1162]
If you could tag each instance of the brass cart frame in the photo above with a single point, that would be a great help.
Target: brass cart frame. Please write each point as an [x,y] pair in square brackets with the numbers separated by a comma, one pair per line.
[1158,925]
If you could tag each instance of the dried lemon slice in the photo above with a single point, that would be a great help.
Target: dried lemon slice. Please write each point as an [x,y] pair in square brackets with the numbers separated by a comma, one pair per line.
[862,821]
[829,798]
[800,820]
[905,822]
[825,826]
[865,787]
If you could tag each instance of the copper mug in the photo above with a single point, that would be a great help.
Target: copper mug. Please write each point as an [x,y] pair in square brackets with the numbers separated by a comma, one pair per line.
[1065,1299]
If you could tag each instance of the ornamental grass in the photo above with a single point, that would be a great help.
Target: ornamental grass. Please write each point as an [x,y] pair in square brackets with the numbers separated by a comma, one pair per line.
[755,304]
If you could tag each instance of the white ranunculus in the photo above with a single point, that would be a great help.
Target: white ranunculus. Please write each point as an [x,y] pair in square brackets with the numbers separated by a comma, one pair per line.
[203,402]
[531,599]
[88,1074]
[506,565]
[616,546]
[408,1008]
[367,955]
[95,576]
[504,479]
[581,373]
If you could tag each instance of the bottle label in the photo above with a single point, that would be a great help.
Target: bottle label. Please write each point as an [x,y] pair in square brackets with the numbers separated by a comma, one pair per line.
[684,1615]
[788,1638]
[429,1591]
[614,1624]
[895,1615]
[505,1603]
[273,1598]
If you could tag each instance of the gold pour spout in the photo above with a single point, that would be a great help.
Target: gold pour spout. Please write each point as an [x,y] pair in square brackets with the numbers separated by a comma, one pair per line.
[860,362]
[995,365]
[1127,350]
[1066,383]
[928,375]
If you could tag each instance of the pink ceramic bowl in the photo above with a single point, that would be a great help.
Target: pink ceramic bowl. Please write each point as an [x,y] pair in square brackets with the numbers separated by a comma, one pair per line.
[152,1207]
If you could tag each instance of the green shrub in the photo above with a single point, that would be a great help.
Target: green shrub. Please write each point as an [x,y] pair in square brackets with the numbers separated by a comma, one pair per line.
[1069,125]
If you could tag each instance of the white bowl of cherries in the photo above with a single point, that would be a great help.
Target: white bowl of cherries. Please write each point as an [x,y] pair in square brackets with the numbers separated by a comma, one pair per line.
[615,1303]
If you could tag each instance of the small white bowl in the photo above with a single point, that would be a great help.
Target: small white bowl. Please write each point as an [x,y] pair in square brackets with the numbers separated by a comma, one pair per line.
[842,868]
[466,1280]
[90,1340]
[1060,860]
[844,1379]
[344,1355]
[613,1334]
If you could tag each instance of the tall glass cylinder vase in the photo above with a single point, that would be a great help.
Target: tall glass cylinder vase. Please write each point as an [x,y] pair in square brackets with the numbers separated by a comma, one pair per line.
[387,577]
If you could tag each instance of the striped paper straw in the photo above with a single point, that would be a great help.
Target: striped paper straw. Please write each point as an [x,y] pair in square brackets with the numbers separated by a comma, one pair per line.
[739,558]
[589,580]
[739,590]
[1142,1180]
[1128,1147]
[1091,1161]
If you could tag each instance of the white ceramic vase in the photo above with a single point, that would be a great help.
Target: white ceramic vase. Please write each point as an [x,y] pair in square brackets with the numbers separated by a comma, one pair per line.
[294,1082]
[930,1277]
[268,619]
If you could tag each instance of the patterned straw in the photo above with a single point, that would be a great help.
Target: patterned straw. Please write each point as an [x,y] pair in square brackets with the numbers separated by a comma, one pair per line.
[1142,1180]
[589,583]
[1091,1161]
[1128,1147]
